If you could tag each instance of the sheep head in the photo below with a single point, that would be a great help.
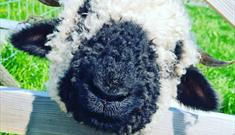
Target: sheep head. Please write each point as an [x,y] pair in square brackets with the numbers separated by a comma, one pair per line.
[114,64]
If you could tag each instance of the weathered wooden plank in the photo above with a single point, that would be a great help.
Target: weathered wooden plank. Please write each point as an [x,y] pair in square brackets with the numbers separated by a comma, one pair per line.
[33,113]
[226,8]
[3,36]
[9,26]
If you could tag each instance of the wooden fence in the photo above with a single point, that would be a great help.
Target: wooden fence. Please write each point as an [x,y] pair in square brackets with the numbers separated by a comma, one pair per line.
[33,113]
[226,8]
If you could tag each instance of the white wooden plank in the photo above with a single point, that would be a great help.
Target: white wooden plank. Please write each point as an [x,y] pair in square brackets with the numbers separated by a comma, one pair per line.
[226,8]
[11,25]
[7,27]
[33,113]
[3,36]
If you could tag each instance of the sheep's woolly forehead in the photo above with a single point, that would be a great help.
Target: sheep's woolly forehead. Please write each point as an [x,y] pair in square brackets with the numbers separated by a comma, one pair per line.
[165,22]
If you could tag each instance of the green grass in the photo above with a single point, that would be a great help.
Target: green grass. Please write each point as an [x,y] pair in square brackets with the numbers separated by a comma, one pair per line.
[31,72]
[24,9]
[213,34]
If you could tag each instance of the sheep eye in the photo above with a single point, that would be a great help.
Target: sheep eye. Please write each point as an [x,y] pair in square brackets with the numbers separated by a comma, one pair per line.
[178,49]
[83,11]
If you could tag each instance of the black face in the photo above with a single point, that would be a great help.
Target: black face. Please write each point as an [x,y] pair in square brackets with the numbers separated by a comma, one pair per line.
[113,82]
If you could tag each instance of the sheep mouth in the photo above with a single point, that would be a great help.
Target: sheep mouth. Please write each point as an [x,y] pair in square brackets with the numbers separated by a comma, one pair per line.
[107,111]
[96,101]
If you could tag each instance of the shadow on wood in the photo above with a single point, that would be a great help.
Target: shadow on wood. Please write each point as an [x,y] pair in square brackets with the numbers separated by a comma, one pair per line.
[47,119]
[33,113]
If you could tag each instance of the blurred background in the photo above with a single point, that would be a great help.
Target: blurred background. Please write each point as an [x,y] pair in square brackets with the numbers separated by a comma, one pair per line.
[213,34]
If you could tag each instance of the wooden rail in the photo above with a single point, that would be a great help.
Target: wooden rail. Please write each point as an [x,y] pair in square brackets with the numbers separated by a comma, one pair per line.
[33,113]
[226,8]
[7,27]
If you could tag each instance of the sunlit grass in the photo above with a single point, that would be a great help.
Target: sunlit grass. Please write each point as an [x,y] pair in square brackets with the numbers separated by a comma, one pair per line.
[31,72]
[24,8]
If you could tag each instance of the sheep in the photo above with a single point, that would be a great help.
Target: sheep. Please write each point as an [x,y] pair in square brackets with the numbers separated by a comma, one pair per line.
[116,65]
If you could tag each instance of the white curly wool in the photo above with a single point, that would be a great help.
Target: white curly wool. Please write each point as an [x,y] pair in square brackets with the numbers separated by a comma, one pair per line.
[165,21]
[62,49]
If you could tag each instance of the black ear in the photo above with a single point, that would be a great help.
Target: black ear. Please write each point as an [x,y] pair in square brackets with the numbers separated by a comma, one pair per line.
[195,91]
[32,39]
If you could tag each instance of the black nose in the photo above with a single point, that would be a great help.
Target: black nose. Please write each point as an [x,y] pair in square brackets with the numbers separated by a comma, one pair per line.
[115,81]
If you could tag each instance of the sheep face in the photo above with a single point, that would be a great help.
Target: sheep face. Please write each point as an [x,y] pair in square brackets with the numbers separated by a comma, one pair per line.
[116,64]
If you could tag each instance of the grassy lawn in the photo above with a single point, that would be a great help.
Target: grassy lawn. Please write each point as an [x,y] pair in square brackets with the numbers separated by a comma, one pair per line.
[24,9]
[213,34]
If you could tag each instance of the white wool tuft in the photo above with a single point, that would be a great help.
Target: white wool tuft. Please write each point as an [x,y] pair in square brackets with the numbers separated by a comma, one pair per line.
[61,53]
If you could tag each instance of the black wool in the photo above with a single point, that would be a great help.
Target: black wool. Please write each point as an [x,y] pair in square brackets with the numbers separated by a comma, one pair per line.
[113,82]
[179,50]
[83,10]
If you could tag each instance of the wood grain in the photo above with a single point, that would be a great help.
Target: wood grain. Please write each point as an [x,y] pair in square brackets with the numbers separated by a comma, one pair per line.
[33,113]
[9,26]
[226,8]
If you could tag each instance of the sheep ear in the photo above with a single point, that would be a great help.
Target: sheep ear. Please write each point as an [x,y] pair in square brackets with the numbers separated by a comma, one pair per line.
[33,38]
[196,92]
